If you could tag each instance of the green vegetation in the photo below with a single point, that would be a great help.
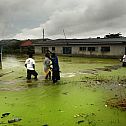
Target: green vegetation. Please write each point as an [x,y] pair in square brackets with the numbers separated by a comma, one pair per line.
[78,99]
[11,46]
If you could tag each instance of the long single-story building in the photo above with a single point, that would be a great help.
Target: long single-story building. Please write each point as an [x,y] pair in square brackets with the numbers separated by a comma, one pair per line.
[93,47]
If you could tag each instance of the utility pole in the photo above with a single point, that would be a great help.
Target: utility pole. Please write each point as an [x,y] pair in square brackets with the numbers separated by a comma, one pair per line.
[43,34]
[65,36]
[1,57]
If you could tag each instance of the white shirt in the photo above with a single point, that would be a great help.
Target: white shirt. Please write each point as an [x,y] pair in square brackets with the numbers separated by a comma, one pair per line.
[29,62]
[124,58]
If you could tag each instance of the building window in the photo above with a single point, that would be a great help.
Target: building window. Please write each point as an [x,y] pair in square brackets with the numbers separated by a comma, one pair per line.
[53,48]
[105,49]
[91,48]
[82,48]
[67,50]
[44,49]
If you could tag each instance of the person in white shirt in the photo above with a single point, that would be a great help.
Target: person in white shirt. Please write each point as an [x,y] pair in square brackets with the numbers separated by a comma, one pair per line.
[30,65]
[124,61]
[46,66]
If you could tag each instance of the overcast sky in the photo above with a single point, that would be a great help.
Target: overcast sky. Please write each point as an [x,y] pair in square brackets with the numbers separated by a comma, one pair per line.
[25,19]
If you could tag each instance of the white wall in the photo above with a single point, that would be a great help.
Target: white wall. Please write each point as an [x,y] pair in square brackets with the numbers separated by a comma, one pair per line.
[115,50]
[38,50]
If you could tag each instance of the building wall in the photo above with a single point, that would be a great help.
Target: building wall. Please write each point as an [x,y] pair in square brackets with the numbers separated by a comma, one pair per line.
[118,50]
[89,53]
[38,50]
[58,50]
[115,50]
[75,50]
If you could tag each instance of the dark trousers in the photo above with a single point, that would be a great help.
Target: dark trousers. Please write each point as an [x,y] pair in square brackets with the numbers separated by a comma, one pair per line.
[55,75]
[124,64]
[31,72]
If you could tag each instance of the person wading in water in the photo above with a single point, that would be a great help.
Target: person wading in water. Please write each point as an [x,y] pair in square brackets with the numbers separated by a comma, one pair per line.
[30,65]
[46,65]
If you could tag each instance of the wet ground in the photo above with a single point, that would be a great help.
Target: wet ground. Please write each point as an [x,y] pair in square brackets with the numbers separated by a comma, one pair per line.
[86,95]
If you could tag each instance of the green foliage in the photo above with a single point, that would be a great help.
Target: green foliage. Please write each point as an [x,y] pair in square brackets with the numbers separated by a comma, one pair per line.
[12,48]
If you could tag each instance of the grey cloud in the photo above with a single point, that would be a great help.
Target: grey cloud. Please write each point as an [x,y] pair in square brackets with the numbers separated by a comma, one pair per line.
[19,14]
[78,17]
[97,15]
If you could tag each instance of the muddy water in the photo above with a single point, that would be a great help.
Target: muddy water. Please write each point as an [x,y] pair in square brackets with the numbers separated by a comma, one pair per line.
[75,100]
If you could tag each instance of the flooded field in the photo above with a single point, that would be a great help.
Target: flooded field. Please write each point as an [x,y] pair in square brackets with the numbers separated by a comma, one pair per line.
[91,92]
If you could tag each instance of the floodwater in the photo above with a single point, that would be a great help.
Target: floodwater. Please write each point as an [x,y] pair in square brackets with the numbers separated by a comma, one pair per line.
[78,99]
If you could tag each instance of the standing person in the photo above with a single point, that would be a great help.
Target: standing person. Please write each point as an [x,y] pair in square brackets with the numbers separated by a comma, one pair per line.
[46,65]
[124,61]
[55,68]
[30,65]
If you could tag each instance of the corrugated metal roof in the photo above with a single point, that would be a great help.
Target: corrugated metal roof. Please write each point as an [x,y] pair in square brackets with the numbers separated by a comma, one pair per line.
[93,41]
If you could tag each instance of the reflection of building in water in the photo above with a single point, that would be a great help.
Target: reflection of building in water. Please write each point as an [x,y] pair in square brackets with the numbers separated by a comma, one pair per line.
[100,47]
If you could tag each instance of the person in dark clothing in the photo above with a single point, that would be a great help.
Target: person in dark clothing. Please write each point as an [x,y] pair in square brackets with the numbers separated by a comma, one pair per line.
[55,68]
[30,65]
